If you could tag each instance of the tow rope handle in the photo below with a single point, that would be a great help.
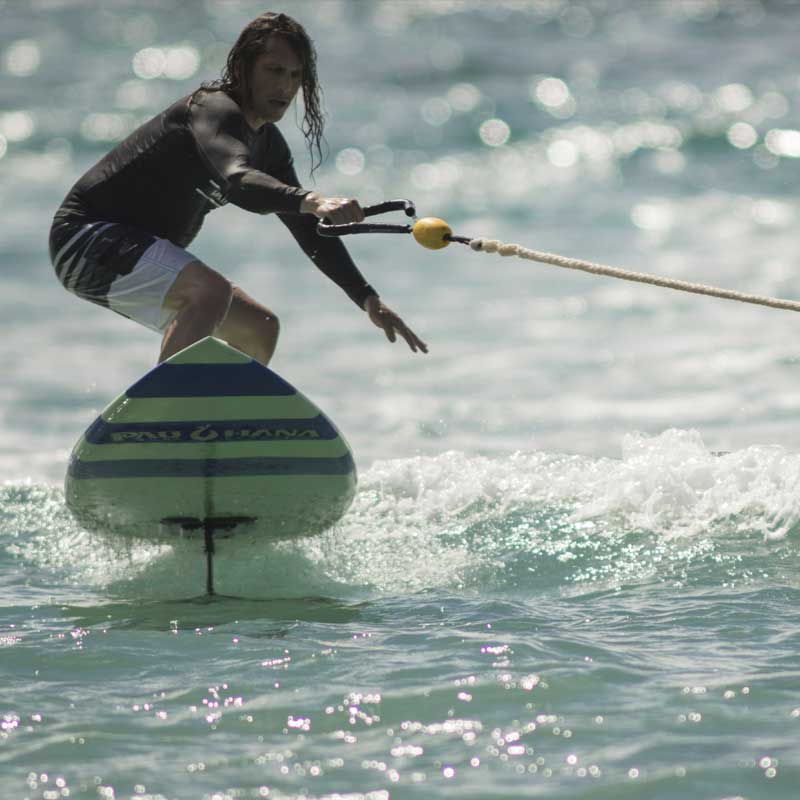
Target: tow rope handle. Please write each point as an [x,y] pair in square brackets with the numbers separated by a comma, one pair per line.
[435,234]
[430,232]
[407,206]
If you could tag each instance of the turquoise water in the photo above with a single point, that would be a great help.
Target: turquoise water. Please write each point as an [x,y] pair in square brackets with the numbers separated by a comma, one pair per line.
[571,569]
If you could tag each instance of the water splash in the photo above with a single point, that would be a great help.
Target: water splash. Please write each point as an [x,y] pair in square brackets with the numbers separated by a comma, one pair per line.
[668,510]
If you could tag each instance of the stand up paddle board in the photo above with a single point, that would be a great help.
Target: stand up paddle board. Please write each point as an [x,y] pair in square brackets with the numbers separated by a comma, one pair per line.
[210,440]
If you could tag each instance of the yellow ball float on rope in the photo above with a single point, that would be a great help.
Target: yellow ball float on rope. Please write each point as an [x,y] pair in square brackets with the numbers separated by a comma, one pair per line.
[431,232]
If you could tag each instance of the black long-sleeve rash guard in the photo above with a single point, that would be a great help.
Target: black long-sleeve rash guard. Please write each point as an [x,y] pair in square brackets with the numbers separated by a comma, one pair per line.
[198,155]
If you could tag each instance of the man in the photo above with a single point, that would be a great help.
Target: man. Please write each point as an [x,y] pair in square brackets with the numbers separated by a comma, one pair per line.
[118,238]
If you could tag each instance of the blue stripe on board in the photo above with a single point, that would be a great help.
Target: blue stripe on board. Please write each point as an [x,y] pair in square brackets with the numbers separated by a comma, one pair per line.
[210,380]
[239,430]
[210,467]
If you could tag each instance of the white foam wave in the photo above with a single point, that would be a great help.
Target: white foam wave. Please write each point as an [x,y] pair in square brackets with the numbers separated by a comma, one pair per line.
[674,485]
[443,521]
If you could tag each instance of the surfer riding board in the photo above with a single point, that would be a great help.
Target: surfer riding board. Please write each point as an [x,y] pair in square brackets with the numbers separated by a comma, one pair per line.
[210,439]
[119,238]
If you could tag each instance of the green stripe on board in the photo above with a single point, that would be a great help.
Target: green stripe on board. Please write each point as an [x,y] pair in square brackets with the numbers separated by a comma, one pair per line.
[211,351]
[203,409]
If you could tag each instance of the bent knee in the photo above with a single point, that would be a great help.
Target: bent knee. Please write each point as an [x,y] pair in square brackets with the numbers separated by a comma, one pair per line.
[200,289]
[213,298]
[270,325]
[250,319]
[255,332]
[262,333]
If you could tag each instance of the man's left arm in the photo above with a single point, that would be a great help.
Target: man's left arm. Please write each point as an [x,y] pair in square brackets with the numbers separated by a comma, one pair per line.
[331,257]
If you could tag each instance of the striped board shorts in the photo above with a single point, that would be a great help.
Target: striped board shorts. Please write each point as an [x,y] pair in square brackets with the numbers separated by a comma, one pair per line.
[119,267]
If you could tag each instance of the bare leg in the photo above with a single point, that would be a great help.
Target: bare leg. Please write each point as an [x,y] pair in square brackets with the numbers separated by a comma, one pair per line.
[250,327]
[201,297]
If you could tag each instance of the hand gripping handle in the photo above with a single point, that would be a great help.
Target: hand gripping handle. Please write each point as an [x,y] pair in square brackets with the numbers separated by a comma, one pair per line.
[407,206]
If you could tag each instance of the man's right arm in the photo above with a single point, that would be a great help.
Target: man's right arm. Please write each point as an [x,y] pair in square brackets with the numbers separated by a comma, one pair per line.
[221,133]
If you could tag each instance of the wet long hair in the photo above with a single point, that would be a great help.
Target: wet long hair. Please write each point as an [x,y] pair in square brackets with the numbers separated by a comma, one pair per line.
[251,43]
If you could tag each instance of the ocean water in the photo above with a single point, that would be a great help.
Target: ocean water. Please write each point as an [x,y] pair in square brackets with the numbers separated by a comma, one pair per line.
[571,567]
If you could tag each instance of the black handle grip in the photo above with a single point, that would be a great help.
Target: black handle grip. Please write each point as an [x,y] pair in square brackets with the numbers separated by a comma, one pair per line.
[407,206]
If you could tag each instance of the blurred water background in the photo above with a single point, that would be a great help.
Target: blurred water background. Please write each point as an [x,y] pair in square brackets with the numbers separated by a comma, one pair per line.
[571,568]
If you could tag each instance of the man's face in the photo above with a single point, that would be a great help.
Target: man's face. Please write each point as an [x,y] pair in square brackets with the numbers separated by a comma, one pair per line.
[275,78]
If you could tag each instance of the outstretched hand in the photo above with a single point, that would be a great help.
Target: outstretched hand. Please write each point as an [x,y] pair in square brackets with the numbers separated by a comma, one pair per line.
[391,324]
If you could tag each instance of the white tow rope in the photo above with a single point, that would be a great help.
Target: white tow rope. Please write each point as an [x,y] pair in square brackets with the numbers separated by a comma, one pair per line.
[496,246]
[435,233]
